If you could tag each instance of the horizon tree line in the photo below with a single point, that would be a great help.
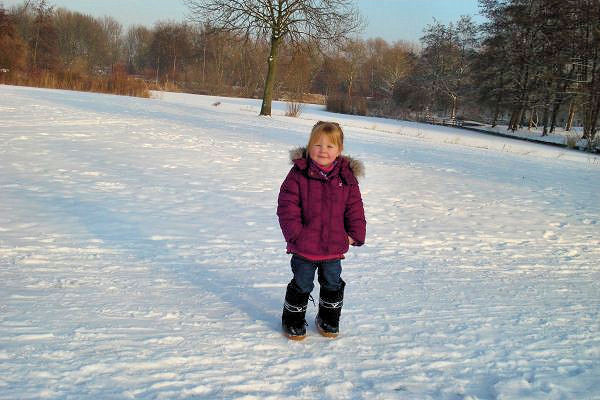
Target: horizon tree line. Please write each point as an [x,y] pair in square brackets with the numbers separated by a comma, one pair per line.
[531,63]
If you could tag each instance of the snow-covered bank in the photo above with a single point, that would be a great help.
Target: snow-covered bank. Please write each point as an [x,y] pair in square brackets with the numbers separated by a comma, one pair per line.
[375,126]
[140,257]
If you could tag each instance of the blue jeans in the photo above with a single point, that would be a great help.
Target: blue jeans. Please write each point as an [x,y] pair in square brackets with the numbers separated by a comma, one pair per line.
[304,273]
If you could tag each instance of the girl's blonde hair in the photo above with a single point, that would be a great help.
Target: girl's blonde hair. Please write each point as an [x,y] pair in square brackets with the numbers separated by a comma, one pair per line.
[333,131]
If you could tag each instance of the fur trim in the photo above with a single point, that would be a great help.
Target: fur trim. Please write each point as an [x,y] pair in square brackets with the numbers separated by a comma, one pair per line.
[297,153]
[357,166]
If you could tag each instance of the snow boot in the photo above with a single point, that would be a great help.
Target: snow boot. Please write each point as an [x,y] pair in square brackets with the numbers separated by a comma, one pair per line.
[330,308]
[294,310]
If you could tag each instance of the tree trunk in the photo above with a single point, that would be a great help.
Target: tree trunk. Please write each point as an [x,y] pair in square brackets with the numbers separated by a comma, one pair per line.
[271,72]
[520,119]
[545,117]
[559,98]
[496,114]
[174,67]
[586,127]
[204,62]
[571,116]
[514,115]
[454,104]
[516,120]
[592,108]
[554,115]
[157,68]
[35,47]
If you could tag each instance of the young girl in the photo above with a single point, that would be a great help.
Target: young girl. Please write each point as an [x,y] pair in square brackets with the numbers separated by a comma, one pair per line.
[321,213]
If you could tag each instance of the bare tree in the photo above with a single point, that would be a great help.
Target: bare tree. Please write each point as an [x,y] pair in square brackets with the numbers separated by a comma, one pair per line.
[447,57]
[397,62]
[299,64]
[44,47]
[352,58]
[113,31]
[171,46]
[318,20]
[81,40]
[13,50]
[137,44]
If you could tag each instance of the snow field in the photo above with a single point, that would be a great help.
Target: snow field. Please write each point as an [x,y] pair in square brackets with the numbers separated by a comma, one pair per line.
[140,257]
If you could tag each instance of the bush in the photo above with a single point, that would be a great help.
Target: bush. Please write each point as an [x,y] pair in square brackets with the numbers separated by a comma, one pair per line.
[347,105]
[116,83]
[571,140]
[294,109]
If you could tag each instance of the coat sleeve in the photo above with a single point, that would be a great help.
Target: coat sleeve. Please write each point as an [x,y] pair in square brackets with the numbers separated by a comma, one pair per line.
[289,209]
[354,216]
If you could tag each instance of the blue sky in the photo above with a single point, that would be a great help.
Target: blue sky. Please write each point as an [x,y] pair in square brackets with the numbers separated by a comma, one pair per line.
[405,19]
[389,19]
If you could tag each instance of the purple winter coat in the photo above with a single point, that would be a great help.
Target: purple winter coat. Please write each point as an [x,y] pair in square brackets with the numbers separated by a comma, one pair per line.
[317,213]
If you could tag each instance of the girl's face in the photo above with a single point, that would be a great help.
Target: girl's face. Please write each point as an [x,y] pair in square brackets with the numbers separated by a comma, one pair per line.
[323,151]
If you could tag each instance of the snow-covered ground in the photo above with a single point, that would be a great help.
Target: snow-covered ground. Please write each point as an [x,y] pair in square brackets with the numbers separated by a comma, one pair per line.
[140,257]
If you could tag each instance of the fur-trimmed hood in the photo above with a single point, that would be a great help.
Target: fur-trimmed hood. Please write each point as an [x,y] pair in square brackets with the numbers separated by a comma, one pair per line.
[356,166]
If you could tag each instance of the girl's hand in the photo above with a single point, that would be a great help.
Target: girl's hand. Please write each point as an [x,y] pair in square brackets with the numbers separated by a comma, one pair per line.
[350,241]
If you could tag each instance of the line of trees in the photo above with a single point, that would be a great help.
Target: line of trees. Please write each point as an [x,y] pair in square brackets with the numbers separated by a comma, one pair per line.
[541,57]
[319,21]
[533,62]
[44,46]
